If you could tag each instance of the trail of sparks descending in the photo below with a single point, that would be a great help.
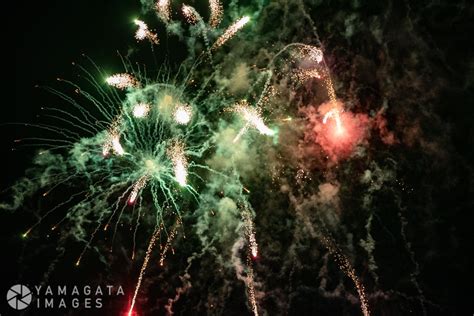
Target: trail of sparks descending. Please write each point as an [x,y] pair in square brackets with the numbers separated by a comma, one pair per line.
[216,13]
[144,33]
[347,268]
[140,184]
[113,139]
[122,81]
[191,15]
[177,156]
[117,146]
[163,7]
[251,287]
[250,232]
[253,118]
[230,32]
[151,244]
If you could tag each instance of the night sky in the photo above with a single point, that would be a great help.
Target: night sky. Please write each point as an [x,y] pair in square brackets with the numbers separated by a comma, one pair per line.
[407,71]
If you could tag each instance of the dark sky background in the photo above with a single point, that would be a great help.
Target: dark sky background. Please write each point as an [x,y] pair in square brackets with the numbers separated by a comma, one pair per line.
[46,36]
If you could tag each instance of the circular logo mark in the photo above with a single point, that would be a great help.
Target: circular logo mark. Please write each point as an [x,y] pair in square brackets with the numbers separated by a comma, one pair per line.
[19,297]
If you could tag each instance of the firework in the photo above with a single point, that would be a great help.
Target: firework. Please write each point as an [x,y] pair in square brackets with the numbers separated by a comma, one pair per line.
[155,131]
[163,7]
[170,238]
[253,118]
[144,33]
[191,15]
[216,13]
[122,81]
[307,74]
[140,184]
[182,114]
[176,154]
[151,244]
[231,31]
[334,114]
[141,110]
[250,232]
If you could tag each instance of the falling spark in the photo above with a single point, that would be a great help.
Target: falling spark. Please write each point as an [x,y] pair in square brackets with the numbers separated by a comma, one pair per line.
[216,13]
[176,154]
[122,81]
[307,74]
[140,184]
[182,114]
[253,118]
[191,15]
[250,232]
[251,288]
[164,10]
[144,33]
[144,266]
[141,110]
[230,32]
[347,268]
[335,115]
[168,241]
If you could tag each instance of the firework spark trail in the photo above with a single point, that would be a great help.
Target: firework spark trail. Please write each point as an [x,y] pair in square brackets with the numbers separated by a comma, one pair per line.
[341,259]
[113,138]
[306,74]
[216,13]
[170,238]
[250,231]
[118,149]
[191,15]
[245,274]
[231,31]
[251,286]
[151,244]
[137,187]
[178,158]
[346,266]
[122,81]
[253,118]
[163,7]
[334,114]
[144,33]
